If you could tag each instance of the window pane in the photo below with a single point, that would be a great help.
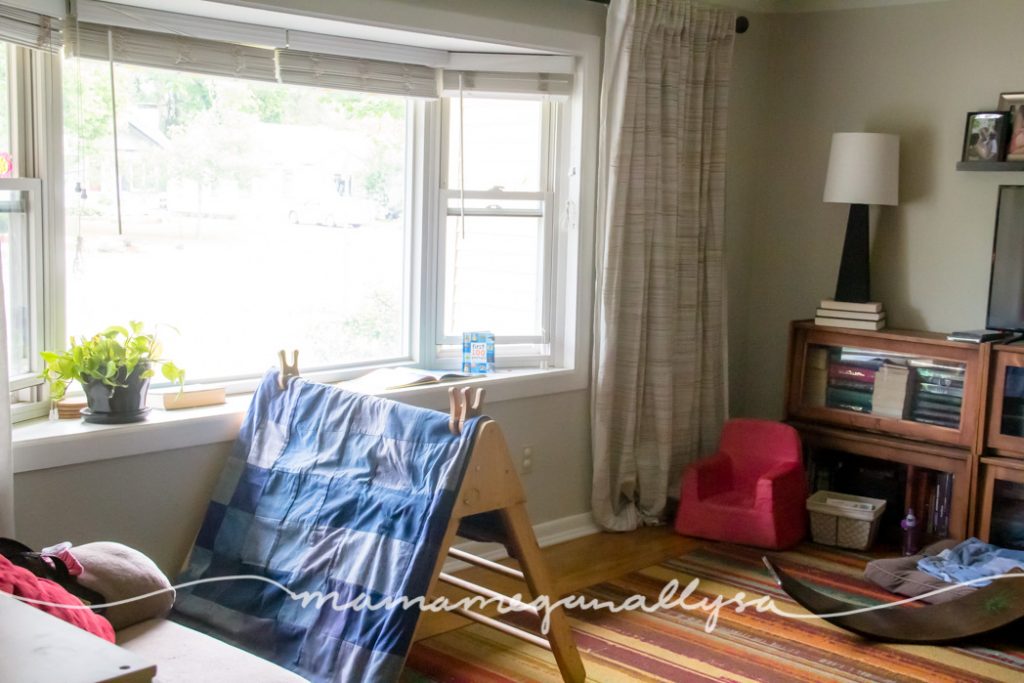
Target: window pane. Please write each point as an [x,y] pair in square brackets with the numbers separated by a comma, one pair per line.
[255,217]
[14,246]
[493,275]
[502,144]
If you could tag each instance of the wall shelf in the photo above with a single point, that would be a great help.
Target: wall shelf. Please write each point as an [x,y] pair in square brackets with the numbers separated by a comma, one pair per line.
[990,165]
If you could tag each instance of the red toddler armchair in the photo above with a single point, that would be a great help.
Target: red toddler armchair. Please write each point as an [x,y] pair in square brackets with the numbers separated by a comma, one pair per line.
[752,491]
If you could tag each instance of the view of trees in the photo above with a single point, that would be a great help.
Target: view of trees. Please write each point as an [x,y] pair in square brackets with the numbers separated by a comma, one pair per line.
[237,198]
[216,133]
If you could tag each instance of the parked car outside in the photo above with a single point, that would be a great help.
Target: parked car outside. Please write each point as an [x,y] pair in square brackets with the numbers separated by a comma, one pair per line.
[335,212]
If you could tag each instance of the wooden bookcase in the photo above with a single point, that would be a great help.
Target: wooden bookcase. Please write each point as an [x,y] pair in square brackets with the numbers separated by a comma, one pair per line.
[1005,401]
[913,399]
[999,506]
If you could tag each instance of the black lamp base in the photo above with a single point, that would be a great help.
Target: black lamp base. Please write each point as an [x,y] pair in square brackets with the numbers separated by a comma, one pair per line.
[854,283]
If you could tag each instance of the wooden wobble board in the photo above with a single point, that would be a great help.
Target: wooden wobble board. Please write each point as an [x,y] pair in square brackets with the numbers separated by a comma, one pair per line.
[986,609]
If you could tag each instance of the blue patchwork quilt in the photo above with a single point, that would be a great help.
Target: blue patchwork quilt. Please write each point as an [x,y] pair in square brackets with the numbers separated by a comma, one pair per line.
[328,491]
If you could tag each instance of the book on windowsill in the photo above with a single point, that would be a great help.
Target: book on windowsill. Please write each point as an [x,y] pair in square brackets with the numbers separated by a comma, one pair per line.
[850,323]
[859,307]
[192,396]
[387,379]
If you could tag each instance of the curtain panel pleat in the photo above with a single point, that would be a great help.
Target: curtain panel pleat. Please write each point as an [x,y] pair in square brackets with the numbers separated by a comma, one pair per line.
[658,389]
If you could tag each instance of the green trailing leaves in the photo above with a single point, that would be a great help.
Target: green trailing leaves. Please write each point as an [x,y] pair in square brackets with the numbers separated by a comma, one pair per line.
[110,357]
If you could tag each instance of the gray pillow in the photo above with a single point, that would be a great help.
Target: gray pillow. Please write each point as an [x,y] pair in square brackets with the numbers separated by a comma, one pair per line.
[118,572]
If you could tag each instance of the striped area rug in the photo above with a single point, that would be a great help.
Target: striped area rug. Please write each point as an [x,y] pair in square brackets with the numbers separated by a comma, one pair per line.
[674,646]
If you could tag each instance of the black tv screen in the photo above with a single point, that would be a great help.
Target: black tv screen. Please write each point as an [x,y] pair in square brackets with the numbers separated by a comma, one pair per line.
[1006,286]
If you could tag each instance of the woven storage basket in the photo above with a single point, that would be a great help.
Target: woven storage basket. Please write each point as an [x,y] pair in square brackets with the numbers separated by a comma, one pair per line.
[843,520]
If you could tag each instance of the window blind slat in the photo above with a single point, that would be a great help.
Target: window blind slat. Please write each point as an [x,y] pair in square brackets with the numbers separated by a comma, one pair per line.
[506,83]
[165,51]
[350,73]
[29,29]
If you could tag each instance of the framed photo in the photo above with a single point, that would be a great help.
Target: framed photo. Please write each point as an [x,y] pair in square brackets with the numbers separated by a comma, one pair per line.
[985,136]
[1015,147]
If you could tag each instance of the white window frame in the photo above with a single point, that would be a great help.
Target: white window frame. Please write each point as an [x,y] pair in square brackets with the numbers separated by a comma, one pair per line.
[37,146]
[567,250]
[543,350]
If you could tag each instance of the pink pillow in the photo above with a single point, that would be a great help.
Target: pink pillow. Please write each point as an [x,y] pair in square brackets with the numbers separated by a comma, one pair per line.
[20,582]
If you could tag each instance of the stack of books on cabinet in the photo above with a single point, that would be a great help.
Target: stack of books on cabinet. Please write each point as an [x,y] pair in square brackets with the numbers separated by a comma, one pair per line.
[859,316]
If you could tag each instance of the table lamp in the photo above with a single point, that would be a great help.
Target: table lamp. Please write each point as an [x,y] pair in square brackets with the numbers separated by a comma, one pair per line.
[863,169]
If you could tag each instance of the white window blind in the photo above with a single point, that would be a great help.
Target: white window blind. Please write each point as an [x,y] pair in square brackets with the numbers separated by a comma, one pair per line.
[29,29]
[166,51]
[350,73]
[492,83]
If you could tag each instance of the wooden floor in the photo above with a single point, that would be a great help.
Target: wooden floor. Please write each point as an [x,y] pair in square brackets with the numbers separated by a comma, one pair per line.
[574,565]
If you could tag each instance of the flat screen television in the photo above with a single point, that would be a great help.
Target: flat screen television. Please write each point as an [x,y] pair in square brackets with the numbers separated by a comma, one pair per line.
[1006,286]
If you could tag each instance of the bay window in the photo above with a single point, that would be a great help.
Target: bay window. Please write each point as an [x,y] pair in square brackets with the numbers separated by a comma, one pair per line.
[247,195]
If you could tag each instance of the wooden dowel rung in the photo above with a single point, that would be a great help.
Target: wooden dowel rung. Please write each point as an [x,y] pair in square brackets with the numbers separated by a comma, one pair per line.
[486,564]
[505,628]
[519,605]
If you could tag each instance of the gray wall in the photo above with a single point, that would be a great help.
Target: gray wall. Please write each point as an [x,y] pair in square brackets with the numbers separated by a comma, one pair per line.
[914,70]
[155,501]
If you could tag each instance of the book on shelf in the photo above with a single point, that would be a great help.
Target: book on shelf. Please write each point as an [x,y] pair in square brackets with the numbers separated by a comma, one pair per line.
[388,379]
[937,422]
[847,371]
[850,315]
[856,385]
[856,307]
[852,324]
[816,376]
[890,395]
[937,390]
[192,396]
[847,399]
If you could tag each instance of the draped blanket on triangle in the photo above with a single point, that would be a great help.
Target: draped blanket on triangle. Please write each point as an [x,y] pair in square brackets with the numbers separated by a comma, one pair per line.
[331,491]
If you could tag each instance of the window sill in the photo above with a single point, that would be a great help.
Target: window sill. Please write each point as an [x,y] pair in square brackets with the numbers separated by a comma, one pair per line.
[41,444]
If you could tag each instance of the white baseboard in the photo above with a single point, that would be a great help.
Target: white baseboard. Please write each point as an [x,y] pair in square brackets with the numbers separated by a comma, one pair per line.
[548,533]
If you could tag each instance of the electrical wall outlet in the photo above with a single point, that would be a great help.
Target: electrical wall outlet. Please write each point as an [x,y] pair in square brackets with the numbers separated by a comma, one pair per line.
[527,462]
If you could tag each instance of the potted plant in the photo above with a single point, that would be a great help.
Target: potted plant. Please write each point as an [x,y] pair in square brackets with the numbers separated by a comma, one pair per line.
[114,368]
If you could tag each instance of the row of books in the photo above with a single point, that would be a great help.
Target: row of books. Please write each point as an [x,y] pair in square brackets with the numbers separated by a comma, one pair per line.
[887,384]
[931,498]
[938,395]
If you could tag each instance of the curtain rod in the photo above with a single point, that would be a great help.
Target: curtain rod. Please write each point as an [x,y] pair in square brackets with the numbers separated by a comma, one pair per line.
[742,23]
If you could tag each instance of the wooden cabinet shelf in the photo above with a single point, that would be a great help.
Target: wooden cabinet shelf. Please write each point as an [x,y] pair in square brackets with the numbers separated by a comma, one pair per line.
[912,385]
[909,402]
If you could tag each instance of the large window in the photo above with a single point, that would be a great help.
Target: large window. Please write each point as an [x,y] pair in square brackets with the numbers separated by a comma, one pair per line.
[247,196]
[248,216]
[497,236]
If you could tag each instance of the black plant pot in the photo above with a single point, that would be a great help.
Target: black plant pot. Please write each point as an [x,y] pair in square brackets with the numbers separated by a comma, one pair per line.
[117,405]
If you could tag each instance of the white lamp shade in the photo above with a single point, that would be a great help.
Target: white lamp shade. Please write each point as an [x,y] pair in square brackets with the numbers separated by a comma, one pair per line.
[863,168]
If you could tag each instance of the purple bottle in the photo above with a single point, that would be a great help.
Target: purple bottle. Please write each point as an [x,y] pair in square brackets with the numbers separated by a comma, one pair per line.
[911,534]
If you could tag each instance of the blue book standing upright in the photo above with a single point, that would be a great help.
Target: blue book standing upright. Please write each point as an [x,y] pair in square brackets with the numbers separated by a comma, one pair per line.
[478,352]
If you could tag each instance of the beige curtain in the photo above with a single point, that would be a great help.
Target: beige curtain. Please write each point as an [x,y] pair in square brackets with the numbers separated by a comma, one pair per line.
[658,389]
